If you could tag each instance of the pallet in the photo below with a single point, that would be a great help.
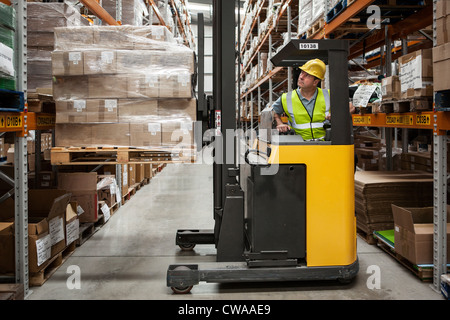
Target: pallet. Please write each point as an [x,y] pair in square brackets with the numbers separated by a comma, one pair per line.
[87,230]
[315,28]
[41,102]
[12,291]
[366,236]
[336,10]
[407,105]
[424,273]
[39,278]
[115,155]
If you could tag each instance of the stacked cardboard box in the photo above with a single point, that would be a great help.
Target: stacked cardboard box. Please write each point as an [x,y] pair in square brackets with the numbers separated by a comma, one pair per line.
[376,191]
[42,18]
[441,53]
[416,74]
[52,226]
[122,86]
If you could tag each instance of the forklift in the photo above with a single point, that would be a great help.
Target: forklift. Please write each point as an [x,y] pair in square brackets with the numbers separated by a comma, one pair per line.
[289,217]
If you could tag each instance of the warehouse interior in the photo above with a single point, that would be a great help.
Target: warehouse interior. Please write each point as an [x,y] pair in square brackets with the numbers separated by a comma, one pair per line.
[138,138]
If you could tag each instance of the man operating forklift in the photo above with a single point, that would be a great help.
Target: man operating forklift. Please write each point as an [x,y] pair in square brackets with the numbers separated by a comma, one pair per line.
[308,107]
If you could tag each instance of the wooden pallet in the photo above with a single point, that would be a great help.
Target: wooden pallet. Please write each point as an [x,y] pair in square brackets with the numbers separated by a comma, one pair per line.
[39,278]
[315,28]
[407,105]
[87,230]
[423,272]
[116,155]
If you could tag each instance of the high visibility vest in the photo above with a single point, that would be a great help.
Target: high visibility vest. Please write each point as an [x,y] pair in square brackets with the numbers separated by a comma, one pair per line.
[300,120]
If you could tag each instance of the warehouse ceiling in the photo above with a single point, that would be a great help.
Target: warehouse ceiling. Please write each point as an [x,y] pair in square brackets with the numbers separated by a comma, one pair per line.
[205,7]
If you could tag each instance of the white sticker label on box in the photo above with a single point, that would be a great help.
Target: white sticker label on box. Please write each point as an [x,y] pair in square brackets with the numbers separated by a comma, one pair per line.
[110,104]
[151,79]
[43,249]
[107,57]
[75,57]
[73,231]
[6,60]
[154,128]
[411,74]
[79,105]
[79,210]
[56,228]
[184,78]
[397,229]
[106,212]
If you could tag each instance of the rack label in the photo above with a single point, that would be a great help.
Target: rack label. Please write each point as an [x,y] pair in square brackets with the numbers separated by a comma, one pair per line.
[13,121]
[309,46]
[362,120]
[45,121]
[423,119]
[404,120]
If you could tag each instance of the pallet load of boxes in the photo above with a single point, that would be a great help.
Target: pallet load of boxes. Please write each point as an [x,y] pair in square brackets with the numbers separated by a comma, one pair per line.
[397,205]
[126,90]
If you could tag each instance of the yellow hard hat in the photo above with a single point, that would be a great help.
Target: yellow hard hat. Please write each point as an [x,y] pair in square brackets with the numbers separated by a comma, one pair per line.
[315,67]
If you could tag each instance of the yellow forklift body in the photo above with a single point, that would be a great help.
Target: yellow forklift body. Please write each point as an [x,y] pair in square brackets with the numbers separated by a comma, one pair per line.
[330,200]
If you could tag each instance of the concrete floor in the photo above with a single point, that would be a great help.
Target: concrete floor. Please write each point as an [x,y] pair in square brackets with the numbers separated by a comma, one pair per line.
[129,256]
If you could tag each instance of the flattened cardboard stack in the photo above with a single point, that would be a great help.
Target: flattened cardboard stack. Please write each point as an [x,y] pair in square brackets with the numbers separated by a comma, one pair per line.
[376,191]
[42,18]
[122,86]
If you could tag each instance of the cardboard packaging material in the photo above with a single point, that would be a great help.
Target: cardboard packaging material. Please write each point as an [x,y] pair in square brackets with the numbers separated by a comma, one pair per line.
[7,260]
[73,38]
[100,62]
[86,111]
[107,86]
[143,86]
[83,186]
[147,134]
[175,85]
[70,88]
[107,189]
[46,238]
[178,109]
[111,170]
[416,73]
[67,63]
[413,233]
[441,65]
[102,111]
[137,110]
[390,88]
[93,135]
[442,22]
[72,223]
[177,133]
[71,111]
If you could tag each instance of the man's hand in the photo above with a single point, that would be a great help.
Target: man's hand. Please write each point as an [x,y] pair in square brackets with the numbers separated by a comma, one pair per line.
[283,127]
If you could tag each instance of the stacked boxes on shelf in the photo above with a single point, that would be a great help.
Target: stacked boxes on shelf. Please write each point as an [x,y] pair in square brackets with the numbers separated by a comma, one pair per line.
[122,86]
[7,45]
[441,53]
[416,74]
[42,20]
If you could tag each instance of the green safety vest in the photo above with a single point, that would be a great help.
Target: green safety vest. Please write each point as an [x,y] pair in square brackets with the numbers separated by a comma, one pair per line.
[299,118]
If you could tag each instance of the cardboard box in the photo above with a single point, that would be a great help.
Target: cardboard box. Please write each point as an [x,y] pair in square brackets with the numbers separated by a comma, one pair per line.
[146,134]
[139,171]
[148,172]
[100,62]
[46,238]
[390,88]
[107,86]
[83,186]
[177,133]
[70,88]
[137,110]
[72,223]
[7,260]
[73,38]
[98,134]
[442,22]
[102,111]
[143,86]
[416,73]
[441,65]
[413,233]
[111,170]
[175,84]
[107,189]
[131,174]
[71,111]
[67,63]
[180,109]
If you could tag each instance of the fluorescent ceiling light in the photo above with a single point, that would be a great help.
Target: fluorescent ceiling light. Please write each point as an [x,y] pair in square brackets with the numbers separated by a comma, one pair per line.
[199,7]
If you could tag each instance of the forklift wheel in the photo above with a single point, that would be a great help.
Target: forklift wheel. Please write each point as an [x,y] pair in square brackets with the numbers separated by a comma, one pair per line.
[187,247]
[181,290]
